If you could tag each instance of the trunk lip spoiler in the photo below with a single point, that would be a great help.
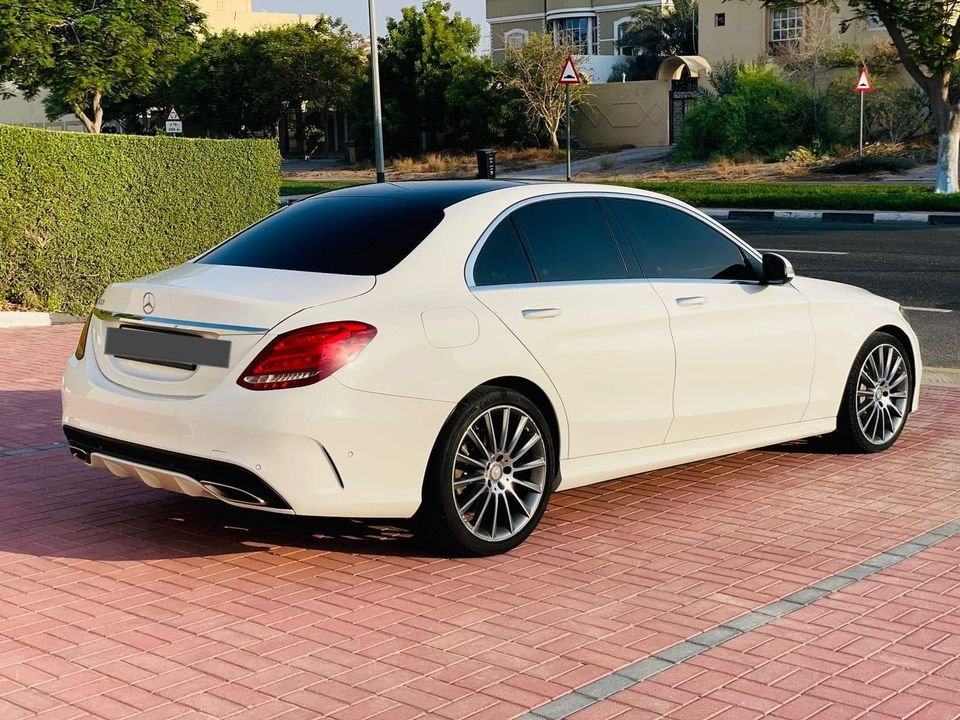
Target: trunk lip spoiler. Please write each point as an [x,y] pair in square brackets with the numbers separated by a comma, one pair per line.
[173,322]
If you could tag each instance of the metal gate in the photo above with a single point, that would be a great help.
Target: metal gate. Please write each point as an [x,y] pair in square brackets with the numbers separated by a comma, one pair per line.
[683,94]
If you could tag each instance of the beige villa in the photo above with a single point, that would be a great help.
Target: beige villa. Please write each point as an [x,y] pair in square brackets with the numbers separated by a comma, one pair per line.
[649,113]
[221,15]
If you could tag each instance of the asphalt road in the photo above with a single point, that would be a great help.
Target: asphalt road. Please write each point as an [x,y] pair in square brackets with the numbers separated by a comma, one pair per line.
[916,265]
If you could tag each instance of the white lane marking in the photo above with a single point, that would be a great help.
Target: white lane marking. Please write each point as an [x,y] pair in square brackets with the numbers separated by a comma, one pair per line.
[809,252]
[920,309]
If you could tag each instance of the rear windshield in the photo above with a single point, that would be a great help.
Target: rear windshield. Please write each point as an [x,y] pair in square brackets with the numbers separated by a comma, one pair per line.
[339,235]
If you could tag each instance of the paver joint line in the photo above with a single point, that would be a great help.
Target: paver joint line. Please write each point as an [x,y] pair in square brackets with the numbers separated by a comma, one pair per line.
[573,702]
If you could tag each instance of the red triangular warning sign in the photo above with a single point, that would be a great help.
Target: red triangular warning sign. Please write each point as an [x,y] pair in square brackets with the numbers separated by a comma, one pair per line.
[863,83]
[569,75]
[173,114]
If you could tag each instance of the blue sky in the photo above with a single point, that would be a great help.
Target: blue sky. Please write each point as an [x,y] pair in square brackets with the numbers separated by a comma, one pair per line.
[355,11]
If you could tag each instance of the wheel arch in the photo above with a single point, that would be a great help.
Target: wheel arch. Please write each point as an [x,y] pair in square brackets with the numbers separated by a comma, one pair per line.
[903,337]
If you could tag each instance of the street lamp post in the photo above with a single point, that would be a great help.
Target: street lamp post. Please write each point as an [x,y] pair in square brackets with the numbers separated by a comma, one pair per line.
[377,112]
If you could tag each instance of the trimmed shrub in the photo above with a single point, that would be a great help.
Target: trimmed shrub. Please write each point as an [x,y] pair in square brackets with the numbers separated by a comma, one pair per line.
[78,212]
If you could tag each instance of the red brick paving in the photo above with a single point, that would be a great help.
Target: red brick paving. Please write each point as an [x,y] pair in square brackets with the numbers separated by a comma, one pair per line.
[121,601]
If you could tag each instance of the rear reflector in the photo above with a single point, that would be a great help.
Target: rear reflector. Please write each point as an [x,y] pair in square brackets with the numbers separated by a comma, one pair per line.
[306,356]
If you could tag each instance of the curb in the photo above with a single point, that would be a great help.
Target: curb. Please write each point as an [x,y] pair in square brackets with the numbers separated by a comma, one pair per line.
[17,319]
[850,216]
[943,377]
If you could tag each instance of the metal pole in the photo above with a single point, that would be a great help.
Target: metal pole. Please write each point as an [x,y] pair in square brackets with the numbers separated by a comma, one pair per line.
[861,124]
[377,112]
[569,142]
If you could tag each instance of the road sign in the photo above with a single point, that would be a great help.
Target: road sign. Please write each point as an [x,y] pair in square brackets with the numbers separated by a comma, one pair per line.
[174,123]
[569,75]
[863,83]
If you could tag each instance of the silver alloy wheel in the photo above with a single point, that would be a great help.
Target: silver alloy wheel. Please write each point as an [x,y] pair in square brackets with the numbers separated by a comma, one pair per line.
[882,394]
[500,473]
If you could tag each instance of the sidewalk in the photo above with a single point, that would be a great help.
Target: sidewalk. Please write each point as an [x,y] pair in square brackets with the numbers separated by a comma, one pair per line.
[120,601]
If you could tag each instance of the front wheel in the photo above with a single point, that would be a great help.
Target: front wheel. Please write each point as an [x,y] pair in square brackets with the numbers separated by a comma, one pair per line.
[490,475]
[876,399]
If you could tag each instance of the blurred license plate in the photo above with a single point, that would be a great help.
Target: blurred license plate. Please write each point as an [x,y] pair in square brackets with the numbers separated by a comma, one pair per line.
[167,348]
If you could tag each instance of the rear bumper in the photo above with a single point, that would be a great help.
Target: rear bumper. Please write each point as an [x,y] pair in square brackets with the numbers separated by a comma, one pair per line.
[322,450]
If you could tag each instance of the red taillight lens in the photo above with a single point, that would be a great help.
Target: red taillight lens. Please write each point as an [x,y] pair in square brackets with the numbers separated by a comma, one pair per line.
[306,356]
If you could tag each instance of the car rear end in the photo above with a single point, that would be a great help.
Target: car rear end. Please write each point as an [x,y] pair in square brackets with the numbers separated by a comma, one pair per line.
[217,378]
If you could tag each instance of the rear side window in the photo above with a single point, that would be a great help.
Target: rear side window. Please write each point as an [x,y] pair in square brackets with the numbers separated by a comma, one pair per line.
[569,239]
[502,261]
[670,243]
[339,235]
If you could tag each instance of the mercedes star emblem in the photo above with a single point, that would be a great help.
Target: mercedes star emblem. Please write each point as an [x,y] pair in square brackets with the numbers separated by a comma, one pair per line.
[149,303]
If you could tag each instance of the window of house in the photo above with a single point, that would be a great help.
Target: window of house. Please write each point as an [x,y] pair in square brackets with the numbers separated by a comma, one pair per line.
[620,28]
[719,19]
[515,38]
[580,32]
[786,24]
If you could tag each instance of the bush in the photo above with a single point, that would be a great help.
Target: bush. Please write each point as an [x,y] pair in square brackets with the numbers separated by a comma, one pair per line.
[758,113]
[78,212]
[867,165]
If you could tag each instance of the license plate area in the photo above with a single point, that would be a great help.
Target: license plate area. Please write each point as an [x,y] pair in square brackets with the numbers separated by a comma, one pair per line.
[169,348]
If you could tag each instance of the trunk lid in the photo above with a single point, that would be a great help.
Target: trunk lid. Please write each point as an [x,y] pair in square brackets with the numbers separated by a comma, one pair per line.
[218,302]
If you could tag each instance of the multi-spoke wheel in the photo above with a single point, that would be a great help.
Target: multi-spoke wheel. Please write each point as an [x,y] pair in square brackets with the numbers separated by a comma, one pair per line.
[491,474]
[877,397]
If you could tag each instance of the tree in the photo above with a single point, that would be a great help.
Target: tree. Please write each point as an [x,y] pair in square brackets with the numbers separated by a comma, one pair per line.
[83,52]
[656,32]
[926,35]
[534,68]
[242,85]
[482,110]
[423,55]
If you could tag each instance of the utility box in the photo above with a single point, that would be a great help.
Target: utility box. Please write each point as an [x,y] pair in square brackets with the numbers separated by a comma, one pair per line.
[486,164]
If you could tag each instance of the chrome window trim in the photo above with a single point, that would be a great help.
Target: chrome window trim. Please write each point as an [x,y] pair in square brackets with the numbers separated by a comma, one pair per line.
[667,202]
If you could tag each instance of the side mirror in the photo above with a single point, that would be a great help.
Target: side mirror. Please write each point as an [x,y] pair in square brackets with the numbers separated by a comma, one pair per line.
[777,270]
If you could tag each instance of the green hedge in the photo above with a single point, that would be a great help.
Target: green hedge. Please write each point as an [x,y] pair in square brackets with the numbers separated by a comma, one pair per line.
[78,212]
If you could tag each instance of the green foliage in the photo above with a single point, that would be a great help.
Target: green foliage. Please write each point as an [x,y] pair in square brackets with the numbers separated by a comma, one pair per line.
[891,113]
[78,212]
[868,165]
[655,33]
[482,109]
[241,85]
[83,51]
[421,58]
[758,113]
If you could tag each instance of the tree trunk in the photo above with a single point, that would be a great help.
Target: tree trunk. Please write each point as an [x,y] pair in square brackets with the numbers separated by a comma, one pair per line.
[947,120]
[92,125]
[554,141]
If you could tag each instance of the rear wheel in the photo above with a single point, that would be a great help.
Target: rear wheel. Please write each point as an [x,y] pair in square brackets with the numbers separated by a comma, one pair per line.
[876,400]
[490,476]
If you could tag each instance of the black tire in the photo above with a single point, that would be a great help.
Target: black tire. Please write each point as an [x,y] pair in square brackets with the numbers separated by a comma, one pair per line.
[439,517]
[850,435]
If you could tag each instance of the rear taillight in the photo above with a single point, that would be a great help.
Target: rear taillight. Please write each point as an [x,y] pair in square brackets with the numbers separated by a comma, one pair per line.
[305,356]
[82,342]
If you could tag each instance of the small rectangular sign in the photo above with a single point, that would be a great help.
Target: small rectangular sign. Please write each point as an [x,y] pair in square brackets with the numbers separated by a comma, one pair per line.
[174,127]
[167,348]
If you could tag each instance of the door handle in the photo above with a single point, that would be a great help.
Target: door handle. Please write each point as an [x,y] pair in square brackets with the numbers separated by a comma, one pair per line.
[691,301]
[540,313]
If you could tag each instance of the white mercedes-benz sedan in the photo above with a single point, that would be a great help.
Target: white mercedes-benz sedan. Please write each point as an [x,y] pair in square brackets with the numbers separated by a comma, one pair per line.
[454,352]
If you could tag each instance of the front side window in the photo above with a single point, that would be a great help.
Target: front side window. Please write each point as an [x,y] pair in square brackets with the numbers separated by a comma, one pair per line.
[502,261]
[339,235]
[568,239]
[670,243]
[620,30]
[786,24]
[574,31]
